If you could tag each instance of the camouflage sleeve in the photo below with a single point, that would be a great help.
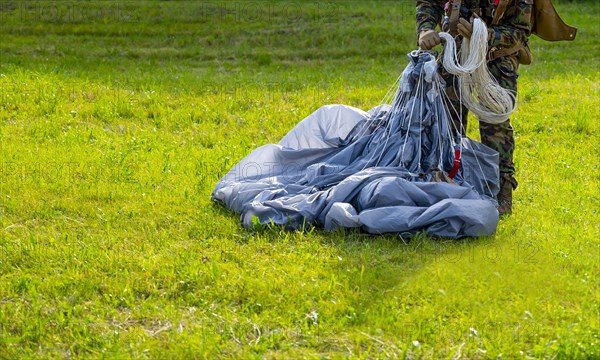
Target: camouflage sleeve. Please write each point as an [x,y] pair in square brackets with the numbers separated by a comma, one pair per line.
[429,14]
[513,28]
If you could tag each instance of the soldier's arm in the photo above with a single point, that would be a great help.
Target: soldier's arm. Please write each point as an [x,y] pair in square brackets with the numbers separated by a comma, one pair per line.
[513,28]
[429,14]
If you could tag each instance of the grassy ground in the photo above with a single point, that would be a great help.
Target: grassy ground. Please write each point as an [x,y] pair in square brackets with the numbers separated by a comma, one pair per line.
[117,119]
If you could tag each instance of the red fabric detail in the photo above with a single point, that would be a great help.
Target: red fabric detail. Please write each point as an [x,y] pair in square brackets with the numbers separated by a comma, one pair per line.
[456,164]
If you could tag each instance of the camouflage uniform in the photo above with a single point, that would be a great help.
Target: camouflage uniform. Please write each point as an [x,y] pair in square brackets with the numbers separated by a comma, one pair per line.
[514,27]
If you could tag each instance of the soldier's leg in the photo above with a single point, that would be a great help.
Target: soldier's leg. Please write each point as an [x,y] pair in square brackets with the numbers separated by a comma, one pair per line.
[500,137]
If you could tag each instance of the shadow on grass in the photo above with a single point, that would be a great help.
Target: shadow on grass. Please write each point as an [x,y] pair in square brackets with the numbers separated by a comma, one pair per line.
[383,261]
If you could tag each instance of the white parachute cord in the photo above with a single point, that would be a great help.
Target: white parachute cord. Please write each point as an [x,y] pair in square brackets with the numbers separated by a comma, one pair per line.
[388,122]
[386,98]
[441,113]
[495,104]
[388,128]
[452,124]
[412,109]
[480,91]
[420,96]
[467,61]
[440,117]
[463,129]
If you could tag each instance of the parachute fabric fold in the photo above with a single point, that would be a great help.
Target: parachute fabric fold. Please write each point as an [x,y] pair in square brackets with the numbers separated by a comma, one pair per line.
[344,167]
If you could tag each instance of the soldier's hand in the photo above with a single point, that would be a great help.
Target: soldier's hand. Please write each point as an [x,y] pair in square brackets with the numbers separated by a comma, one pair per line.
[465,28]
[428,39]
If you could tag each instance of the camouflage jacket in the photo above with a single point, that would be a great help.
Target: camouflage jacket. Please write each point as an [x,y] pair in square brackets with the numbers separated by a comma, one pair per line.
[515,26]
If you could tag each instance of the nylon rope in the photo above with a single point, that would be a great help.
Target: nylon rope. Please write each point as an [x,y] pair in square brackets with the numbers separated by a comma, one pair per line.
[480,91]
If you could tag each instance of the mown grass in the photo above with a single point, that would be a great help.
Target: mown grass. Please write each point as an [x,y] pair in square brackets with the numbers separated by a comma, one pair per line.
[117,119]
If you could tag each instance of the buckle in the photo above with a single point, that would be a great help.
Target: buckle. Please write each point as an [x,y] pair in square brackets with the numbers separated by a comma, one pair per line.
[490,55]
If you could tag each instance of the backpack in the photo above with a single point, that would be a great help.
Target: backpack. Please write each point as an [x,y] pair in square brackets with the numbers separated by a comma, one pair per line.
[548,25]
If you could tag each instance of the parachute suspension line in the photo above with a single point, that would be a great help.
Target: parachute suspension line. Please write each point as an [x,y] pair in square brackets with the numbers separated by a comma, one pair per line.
[421,96]
[456,147]
[441,113]
[412,110]
[387,98]
[440,143]
[389,121]
[479,90]
[390,94]
[463,130]
[373,117]
[392,91]
[451,123]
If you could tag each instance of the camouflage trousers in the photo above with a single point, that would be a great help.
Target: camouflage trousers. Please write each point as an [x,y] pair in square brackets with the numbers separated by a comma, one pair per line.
[497,136]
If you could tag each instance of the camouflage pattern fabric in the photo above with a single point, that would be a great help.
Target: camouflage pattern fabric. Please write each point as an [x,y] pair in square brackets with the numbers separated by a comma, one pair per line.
[514,28]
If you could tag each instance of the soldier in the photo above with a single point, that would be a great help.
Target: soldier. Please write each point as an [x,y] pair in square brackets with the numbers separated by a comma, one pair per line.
[509,26]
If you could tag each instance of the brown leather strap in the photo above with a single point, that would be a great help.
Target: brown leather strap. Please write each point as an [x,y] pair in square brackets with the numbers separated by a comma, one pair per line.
[500,10]
[548,25]
[493,55]
[454,15]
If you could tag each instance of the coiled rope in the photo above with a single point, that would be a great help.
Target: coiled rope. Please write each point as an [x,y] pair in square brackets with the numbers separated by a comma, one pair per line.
[479,90]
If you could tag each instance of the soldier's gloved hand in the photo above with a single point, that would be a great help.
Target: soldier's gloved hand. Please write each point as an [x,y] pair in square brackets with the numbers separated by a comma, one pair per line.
[465,28]
[428,39]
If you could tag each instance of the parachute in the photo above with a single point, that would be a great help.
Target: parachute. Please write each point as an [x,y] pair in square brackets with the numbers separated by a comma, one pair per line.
[398,168]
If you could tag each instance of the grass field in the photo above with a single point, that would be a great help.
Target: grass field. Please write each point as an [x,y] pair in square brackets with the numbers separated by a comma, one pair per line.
[118,118]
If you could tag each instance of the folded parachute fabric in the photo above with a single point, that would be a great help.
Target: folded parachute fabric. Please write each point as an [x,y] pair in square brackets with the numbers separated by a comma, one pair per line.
[385,170]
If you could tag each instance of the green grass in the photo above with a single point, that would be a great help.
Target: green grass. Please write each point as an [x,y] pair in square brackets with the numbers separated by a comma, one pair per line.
[118,118]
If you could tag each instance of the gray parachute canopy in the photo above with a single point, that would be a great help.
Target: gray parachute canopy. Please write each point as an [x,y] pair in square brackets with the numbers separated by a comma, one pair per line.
[385,170]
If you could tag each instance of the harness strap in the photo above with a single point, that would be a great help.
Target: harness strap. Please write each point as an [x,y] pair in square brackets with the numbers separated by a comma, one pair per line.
[456,164]
[500,10]
[498,53]
[454,15]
